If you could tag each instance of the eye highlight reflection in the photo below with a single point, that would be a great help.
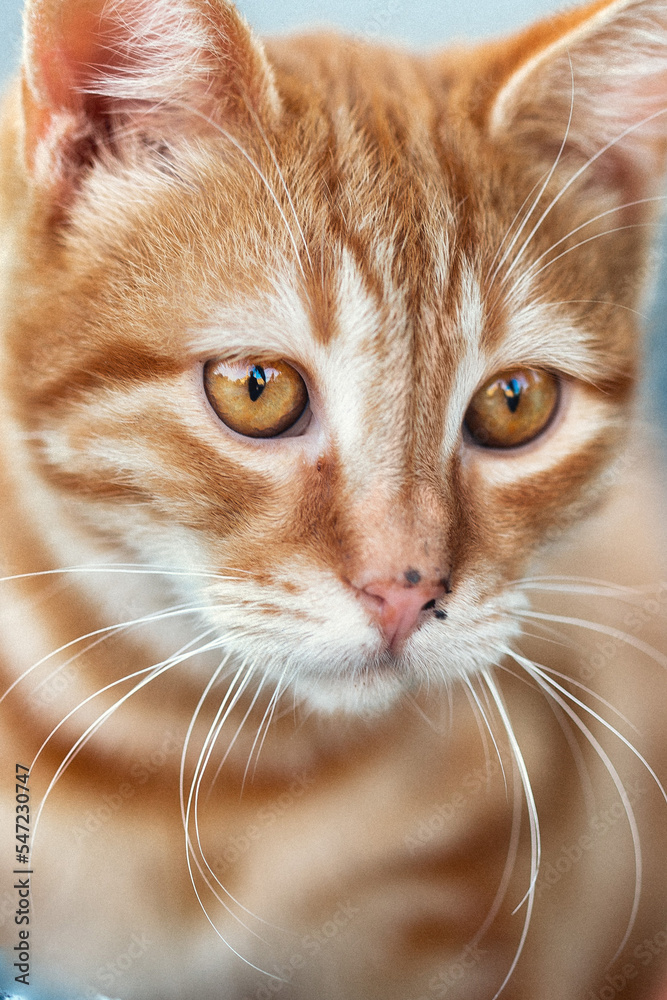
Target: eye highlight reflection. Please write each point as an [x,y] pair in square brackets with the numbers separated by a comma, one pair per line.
[512,408]
[256,400]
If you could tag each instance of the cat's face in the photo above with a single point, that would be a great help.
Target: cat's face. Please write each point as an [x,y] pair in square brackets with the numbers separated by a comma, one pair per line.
[346,266]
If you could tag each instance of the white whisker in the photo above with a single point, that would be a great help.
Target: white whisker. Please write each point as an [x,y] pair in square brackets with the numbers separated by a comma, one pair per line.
[602,302]
[544,672]
[592,693]
[237,145]
[552,689]
[109,687]
[264,724]
[281,176]
[510,860]
[592,588]
[236,735]
[158,616]
[107,630]
[482,714]
[535,843]
[570,578]
[608,630]
[490,278]
[235,690]
[577,755]
[529,274]
[90,731]
[142,569]
[543,188]
[574,178]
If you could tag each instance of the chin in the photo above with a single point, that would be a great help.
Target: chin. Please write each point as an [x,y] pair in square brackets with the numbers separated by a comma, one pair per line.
[371,693]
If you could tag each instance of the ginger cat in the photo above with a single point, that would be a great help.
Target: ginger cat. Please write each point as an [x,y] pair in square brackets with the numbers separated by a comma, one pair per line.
[333,646]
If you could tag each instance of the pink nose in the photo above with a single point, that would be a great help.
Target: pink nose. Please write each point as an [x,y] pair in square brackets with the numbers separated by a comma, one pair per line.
[399,607]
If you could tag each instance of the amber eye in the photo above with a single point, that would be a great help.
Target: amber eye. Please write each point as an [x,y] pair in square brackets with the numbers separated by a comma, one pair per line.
[512,408]
[259,401]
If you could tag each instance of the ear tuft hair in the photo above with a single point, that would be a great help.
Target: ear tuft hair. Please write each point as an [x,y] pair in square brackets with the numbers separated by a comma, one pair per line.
[603,80]
[89,66]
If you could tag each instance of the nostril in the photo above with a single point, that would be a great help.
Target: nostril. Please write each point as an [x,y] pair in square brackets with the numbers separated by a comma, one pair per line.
[398,606]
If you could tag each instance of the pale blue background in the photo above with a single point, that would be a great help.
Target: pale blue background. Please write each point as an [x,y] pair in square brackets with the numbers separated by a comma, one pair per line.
[430,22]
[416,23]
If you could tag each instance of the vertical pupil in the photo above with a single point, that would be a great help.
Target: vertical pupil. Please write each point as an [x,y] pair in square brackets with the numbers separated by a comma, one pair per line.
[256,382]
[513,394]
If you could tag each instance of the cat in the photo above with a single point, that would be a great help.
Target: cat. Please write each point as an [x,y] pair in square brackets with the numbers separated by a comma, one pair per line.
[333,588]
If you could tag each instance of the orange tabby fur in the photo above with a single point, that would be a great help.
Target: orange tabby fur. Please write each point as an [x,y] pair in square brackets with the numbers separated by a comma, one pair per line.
[174,192]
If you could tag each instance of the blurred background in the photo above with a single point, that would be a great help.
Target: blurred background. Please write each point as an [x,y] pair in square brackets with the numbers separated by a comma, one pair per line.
[427,23]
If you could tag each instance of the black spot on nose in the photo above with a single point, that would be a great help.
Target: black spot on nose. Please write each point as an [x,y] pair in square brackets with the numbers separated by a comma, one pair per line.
[428,605]
[413,576]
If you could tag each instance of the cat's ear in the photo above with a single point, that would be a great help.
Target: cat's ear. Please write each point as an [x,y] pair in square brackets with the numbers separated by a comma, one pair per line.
[595,79]
[97,70]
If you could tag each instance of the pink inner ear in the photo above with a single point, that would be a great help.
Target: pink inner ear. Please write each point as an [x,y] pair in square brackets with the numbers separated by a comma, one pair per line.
[62,54]
[63,47]
[58,79]
[88,60]
[616,56]
[74,46]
